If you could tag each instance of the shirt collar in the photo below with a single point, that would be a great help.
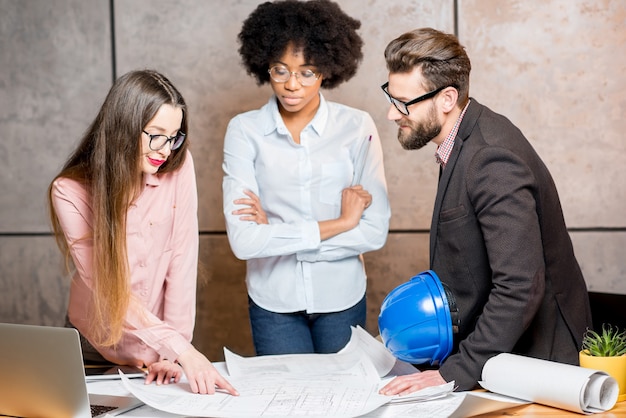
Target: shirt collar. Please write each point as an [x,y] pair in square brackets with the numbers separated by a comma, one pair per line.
[442,154]
[275,122]
[151,179]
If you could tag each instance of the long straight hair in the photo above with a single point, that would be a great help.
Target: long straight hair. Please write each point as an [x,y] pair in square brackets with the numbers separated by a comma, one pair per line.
[107,163]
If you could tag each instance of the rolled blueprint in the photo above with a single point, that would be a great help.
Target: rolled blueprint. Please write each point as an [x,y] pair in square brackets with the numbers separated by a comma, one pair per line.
[550,383]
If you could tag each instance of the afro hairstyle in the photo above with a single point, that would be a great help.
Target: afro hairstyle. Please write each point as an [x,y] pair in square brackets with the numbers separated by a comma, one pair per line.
[326,35]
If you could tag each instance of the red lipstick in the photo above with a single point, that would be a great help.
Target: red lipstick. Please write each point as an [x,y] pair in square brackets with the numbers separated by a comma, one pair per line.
[156,163]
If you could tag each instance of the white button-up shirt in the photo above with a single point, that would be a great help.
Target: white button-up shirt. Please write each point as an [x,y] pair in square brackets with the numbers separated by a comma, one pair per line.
[289,269]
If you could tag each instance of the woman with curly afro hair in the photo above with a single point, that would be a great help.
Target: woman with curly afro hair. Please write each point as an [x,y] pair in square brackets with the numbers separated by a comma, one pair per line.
[304,184]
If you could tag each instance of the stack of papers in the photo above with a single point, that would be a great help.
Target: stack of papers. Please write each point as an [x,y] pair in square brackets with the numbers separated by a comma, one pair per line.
[343,384]
[346,384]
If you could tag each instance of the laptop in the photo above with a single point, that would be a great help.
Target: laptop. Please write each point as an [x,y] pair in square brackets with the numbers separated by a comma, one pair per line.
[43,376]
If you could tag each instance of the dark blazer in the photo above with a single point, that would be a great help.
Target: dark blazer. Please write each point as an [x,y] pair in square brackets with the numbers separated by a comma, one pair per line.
[498,240]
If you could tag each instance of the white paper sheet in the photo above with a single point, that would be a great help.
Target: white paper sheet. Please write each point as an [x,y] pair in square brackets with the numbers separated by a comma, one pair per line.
[364,344]
[363,357]
[346,384]
[426,394]
[550,383]
[146,411]
[343,384]
[454,405]
[266,397]
[107,387]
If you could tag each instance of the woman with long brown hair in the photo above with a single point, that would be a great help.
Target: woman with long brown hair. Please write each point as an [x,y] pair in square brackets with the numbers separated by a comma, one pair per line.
[124,213]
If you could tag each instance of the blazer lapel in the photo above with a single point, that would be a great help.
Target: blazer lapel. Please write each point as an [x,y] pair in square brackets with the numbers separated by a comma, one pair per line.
[467,125]
[444,179]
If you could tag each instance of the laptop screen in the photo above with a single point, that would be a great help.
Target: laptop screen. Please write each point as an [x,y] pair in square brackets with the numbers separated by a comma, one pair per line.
[43,373]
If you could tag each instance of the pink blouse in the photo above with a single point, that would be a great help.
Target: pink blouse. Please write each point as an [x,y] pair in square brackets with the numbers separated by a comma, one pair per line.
[162,242]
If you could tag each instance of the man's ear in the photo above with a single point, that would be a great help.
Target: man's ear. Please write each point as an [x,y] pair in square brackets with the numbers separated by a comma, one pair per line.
[449,96]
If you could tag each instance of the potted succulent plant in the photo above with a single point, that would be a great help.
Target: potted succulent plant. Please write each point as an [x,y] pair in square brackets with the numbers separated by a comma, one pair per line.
[606,351]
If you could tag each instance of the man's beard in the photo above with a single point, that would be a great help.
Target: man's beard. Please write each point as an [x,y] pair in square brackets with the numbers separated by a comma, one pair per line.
[421,133]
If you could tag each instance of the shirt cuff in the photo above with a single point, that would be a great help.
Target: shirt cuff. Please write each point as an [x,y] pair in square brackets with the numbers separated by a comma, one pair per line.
[174,347]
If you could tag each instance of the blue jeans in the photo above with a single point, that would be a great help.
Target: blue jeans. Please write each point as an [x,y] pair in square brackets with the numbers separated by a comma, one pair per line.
[299,332]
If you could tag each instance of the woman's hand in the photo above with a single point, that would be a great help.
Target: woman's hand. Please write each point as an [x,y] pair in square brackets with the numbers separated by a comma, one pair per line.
[202,375]
[163,372]
[354,201]
[254,212]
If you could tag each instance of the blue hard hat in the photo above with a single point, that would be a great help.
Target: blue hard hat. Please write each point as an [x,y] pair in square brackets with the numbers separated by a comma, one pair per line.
[415,320]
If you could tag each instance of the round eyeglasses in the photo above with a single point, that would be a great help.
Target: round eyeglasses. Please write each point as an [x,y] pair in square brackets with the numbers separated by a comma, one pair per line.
[158,141]
[403,107]
[280,74]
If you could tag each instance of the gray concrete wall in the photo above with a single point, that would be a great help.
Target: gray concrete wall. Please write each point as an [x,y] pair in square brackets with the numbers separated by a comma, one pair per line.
[554,67]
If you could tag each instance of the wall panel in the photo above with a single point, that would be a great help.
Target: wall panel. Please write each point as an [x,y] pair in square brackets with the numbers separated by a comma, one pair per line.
[557,71]
[33,287]
[55,57]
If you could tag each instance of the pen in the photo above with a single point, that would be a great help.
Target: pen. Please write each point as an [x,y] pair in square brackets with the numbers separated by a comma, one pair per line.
[359,164]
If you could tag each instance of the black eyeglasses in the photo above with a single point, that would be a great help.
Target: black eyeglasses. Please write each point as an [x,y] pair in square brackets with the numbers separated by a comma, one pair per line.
[403,107]
[158,141]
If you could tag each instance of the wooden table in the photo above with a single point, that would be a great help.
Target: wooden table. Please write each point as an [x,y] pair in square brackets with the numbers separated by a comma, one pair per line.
[536,410]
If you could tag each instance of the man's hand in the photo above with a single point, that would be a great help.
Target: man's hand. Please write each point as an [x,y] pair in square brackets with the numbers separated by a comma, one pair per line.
[403,385]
